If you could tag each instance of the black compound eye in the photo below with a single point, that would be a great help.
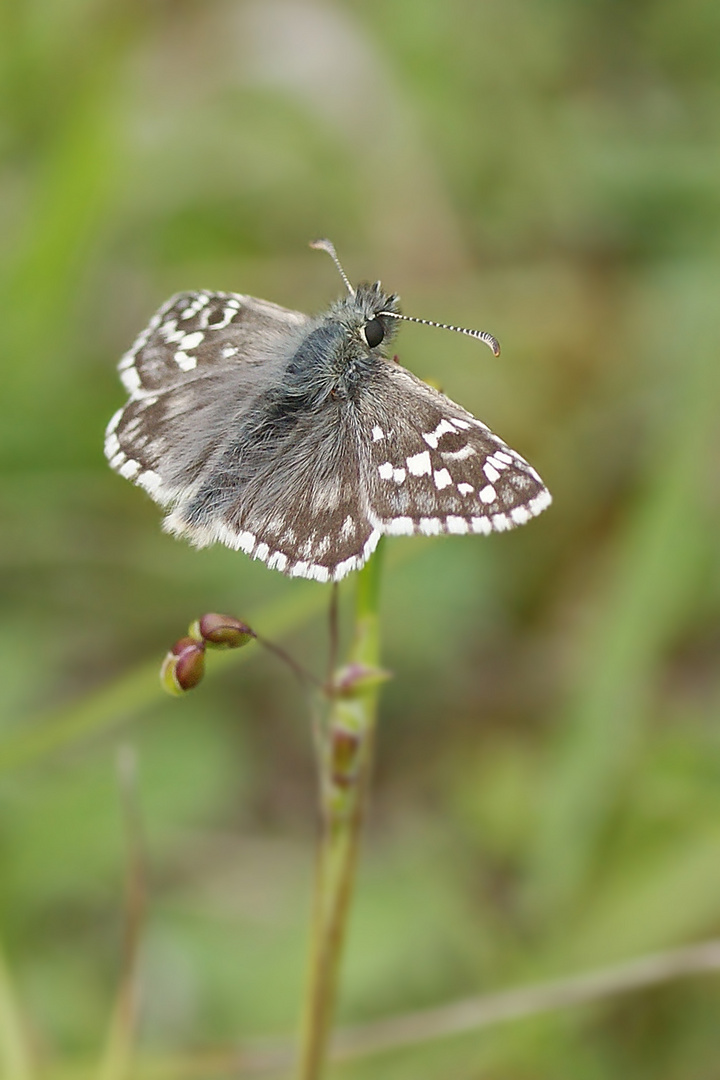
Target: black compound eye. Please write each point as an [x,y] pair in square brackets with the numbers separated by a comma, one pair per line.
[374,332]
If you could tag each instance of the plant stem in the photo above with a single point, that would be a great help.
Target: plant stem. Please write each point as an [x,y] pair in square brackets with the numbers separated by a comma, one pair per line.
[15,1062]
[345,759]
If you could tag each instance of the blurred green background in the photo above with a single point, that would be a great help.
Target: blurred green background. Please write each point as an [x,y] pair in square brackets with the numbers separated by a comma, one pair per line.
[547,791]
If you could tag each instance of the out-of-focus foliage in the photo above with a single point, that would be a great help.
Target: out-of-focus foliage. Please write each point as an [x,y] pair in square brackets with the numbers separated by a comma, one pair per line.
[547,793]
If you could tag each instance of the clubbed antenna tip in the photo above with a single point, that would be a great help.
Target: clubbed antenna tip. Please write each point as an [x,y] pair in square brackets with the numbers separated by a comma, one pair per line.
[480,335]
[327,245]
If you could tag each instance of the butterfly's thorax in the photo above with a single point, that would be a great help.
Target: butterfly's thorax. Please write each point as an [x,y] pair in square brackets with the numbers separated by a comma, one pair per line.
[334,360]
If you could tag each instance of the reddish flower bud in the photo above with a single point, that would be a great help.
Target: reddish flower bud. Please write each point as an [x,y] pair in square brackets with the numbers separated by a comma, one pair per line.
[184,666]
[356,679]
[344,749]
[221,631]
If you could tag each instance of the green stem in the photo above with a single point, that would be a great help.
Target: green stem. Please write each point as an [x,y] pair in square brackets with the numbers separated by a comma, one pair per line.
[345,759]
[15,1063]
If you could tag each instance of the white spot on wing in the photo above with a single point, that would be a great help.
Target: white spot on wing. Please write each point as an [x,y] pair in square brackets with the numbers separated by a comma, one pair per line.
[130,379]
[150,481]
[445,427]
[195,305]
[277,561]
[459,455]
[130,469]
[540,502]
[246,542]
[170,332]
[322,547]
[385,470]
[112,444]
[399,476]
[345,567]
[114,421]
[442,478]
[456,525]
[491,472]
[377,433]
[226,536]
[230,310]
[184,361]
[371,543]
[419,464]
[430,526]
[487,494]
[465,489]
[191,341]
[433,437]
[308,547]
[399,526]
[520,514]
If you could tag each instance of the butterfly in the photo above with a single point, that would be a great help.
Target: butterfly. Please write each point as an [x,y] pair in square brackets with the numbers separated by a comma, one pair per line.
[298,441]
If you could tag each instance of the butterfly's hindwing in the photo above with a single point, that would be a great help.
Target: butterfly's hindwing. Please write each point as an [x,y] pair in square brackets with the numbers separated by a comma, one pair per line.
[434,468]
[290,495]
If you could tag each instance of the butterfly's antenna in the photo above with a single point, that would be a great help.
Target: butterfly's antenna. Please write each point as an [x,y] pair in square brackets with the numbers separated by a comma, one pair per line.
[327,245]
[481,335]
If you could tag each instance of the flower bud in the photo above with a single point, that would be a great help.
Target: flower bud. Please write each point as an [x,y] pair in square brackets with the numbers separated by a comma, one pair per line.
[344,750]
[221,631]
[184,666]
[356,679]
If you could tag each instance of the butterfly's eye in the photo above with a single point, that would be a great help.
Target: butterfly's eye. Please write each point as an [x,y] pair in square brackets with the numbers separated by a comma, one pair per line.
[373,332]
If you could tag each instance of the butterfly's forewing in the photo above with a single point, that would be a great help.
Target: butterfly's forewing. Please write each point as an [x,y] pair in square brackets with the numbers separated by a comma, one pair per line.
[434,468]
[202,359]
[199,334]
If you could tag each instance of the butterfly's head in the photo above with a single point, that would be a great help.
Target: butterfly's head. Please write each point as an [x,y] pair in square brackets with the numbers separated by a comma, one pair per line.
[366,311]
[367,314]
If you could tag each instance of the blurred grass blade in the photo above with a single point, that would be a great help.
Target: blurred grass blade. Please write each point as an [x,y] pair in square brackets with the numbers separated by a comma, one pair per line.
[14,1053]
[120,1046]
[653,571]
[487,1010]
[271,1057]
[670,894]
